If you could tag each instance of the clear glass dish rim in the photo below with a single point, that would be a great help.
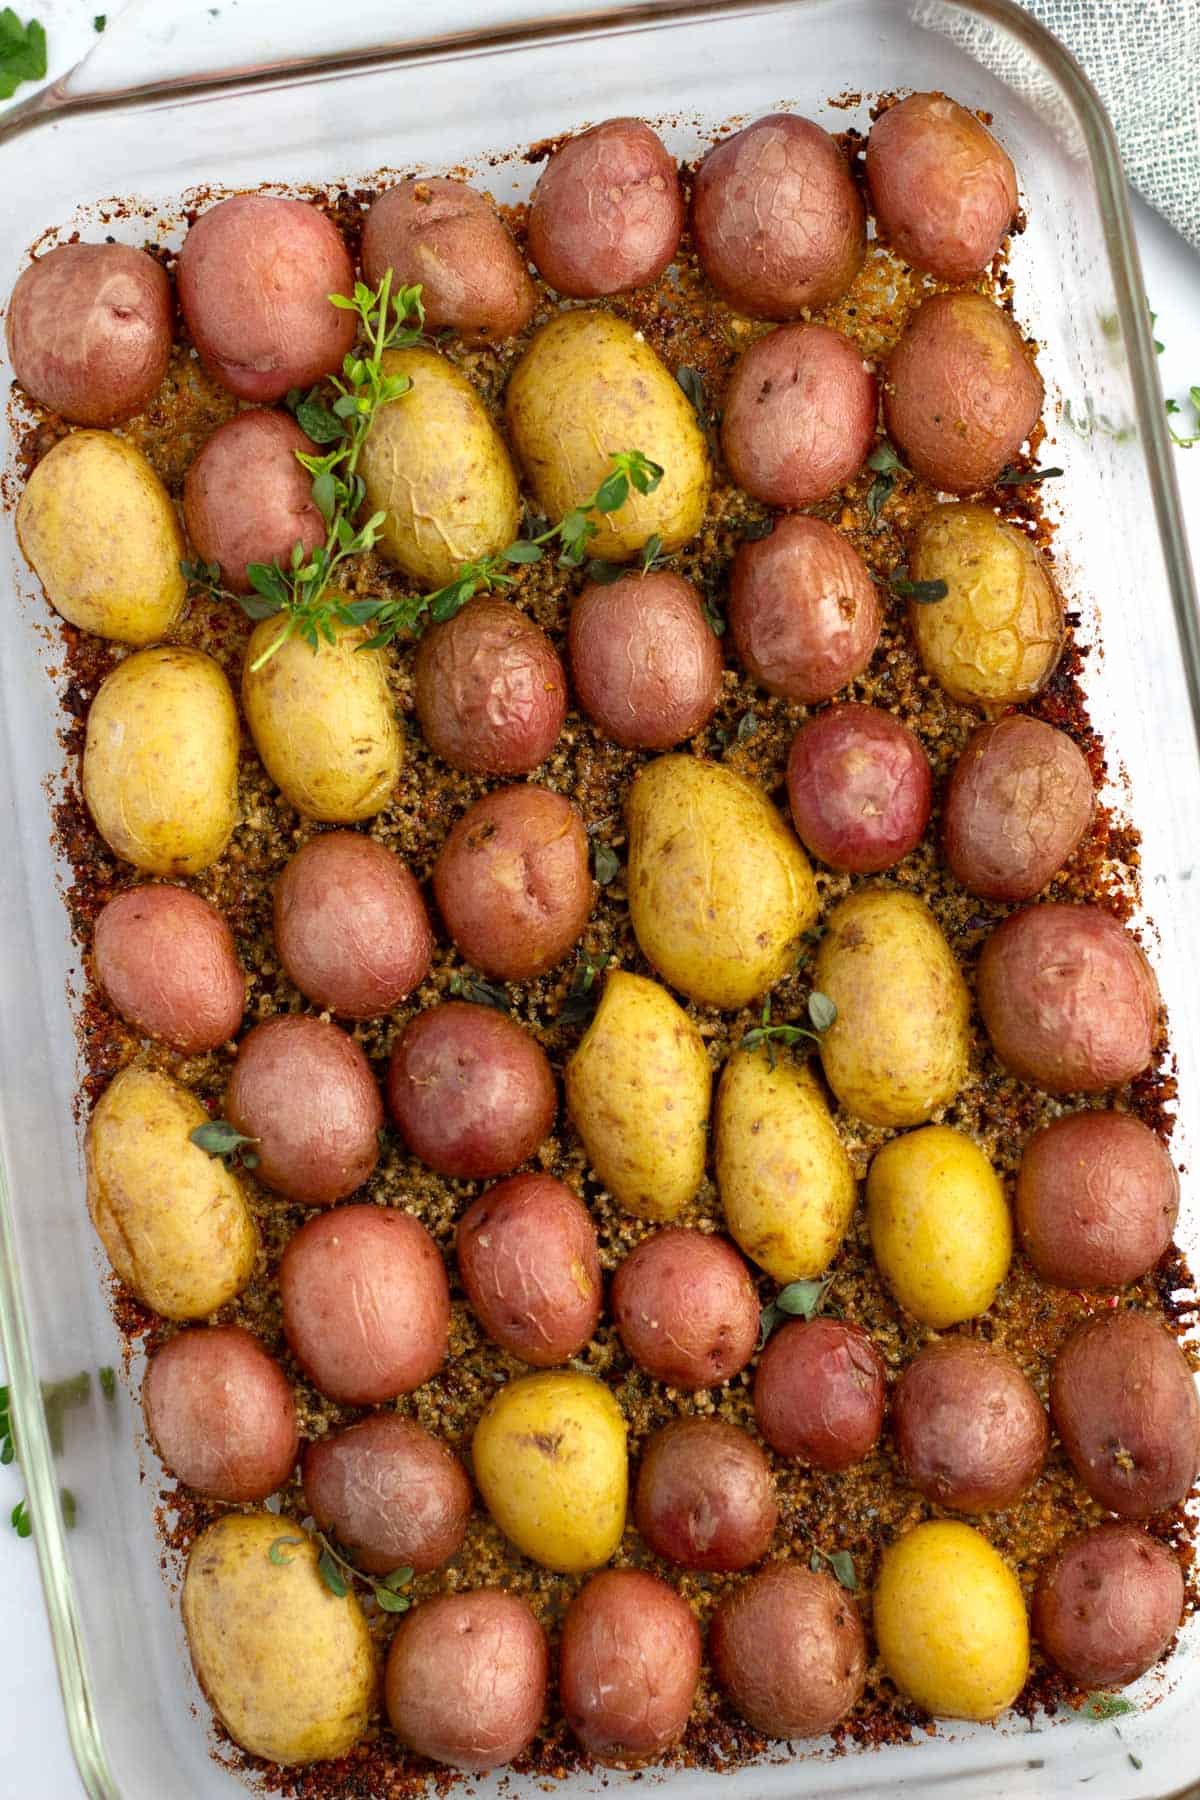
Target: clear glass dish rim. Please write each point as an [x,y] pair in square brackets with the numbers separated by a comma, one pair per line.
[52,103]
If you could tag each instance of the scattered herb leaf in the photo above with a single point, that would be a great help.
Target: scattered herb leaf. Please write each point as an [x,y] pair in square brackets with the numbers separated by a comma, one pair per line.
[798,1300]
[604,573]
[100,21]
[924,593]
[275,1553]
[22,58]
[713,615]
[20,1520]
[887,466]
[822,1011]
[1013,477]
[8,1448]
[753,529]
[1106,1706]
[580,1001]
[840,1562]
[1135,1760]
[606,863]
[70,1507]
[821,1014]
[338,1572]
[57,1396]
[331,1575]
[219,1138]
[692,383]
[483,993]
[108,1383]
[747,727]
[1173,407]
[652,557]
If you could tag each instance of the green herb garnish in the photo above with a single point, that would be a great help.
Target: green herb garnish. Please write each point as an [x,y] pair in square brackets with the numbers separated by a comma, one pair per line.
[580,1002]
[219,1138]
[20,1520]
[480,992]
[606,863]
[1106,1706]
[747,727]
[798,1300]
[821,1014]
[1014,477]
[22,58]
[1174,409]
[842,1564]
[692,383]
[887,466]
[924,593]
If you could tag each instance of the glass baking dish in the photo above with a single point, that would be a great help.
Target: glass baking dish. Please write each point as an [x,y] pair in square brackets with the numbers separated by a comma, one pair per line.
[137,1722]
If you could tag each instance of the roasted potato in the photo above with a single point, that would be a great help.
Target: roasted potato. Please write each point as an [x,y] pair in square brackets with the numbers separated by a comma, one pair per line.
[686,1308]
[1108,1605]
[819,1393]
[704,1495]
[799,415]
[720,892]
[166,961]
[607,211]
[390,1491]
[466,1675]
[490,690]
[629,1666]
[638,1091]
[939,1223]
[220,1413]
[789,1650]
[449,238]
[173,1220]
[529,1263]
[970,1432]
[1016,808]
[943,192]
[900,1045]
[246,499]
[803,609]
[646,665]
[860,788]
[1097,1199]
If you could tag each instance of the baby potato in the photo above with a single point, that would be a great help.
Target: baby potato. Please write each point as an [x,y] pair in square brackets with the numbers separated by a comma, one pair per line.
[785,1180]
[390,1491]
[1097,1199]
[439,470]
[589,386]
[449,238]
[950,1622]
[323,722]
[789,1649]
[220,1413]
[528,1260]
[173,1219]
[638,1092]
[1016,807]
[819,1392]
[860,788]
[900,1045]
[939,1223]
[995,638]
[799,415]
[607,212]
[550,1462]
[686,1308]
[98,528]
[490,690]
[465,1683]
[246,497]
[969,1429]
[167,963]
[287,1665]
[943,191]
[803,609]
[160,761]
[704,1495]
[620,1627]
[1108,1605]
[645,662]
[720,892]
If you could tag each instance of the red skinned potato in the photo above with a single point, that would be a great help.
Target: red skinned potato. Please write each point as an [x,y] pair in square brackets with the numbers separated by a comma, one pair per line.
[970,1431]
[89,331]
[1016,808]
[819,1393]
[512,881]
[788,1648]
[860,788]
[803,610]
[686,1308]
[490,690]
[166,960]
[1108,1605]
[247,500]
[943,192]
[1124,1404]
[366,1303]
[450,239]
[962,392]
[629,1666]
[254,277]
[304,1092]
[1069,1000]
[465,1682]
[607,212]
[529,1263]
[704,1495]
[220,1413]
[799,415]
[1096,1202]
[351,927]
[470,1092]
[777,220]
[645,663]
[390,1491]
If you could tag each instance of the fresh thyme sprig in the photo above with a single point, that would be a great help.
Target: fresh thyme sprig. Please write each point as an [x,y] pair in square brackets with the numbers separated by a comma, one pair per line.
[338,1573]
[821,1014]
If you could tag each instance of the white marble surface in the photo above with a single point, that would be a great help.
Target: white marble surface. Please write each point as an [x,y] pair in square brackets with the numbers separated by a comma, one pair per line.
[35,1758]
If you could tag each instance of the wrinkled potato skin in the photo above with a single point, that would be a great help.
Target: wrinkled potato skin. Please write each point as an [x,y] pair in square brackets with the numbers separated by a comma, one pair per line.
[287,1666]
[247,500]
[254,277]
[89,331]
[859,788]
[529,1263]
[939,1223]
[720,892]
[950,1622]
[786,1184]
[1124,1404]
[166,960]
[550,1462]
[304,1091]
[970,1432]
[173,1219]
[466,1679]
[587,387]
[391,1492]
[790,172]
[704,1495]
[1108,1606]
[449,238]
[789,1650]
[470,1092]
[1096,1201]
[366,1303]
[324,724]
[436,465]
[995,639]
[1068,999]
[220,1413]
[646,665]
[98,529]
[607,211]
[490,690]
[629,1665]
[900,1045]
[943,192]
[803,609]
[819,1393]
[799,415]
[686,1308]
[1016,809]
[962,392]
[638,1092]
